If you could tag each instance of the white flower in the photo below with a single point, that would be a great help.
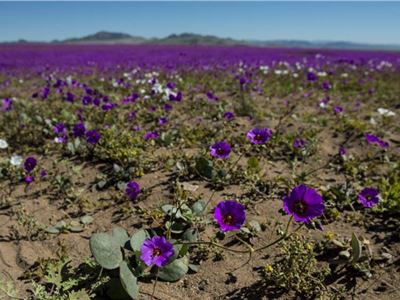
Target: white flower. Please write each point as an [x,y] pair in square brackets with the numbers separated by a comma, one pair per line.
[386,112]
[69,80]
[59,140]
[372,121]
[16,160]
[3,144]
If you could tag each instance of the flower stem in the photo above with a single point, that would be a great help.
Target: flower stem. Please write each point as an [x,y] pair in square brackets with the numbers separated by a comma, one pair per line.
[284,236]
[230,170]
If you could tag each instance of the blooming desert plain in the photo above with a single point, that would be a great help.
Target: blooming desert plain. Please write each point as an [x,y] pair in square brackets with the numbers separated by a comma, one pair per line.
[181,172]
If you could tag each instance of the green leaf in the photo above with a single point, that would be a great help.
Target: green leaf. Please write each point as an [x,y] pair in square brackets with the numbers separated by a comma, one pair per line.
[71,148]
[176,227]
[174,270]
[356,247]
[190,235]
[60,225]
[128,280]
[121,185]
[86,220]
[252,163]
[168,209]
[120,235]
[177,250]
[101,184]
[52,229]
[194,268]
[138,238]
[180,165]
[76,228]
[198,207]
[105,250]
[344,254]
[205,167]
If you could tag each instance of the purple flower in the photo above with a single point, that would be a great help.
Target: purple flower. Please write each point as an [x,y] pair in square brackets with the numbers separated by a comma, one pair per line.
[211,96]
[220,149]
[311,76]
[230,215]
[131,115]
[132,189]
[243,81]
[29,179]
[326,86]
[299,143]
[86,100]
[368,197]
[30,163]
[60,129]
[373,139]
[43,173]
[70,97]
[45,93]
[171,85]
[151,135]
[259,136]
[229,116]
[108,106]
[342,151]
[383,144]
[178,97]
[96,101]
[6,104]
[156,251]
[162,121]
[338,109]
[79,130]
[93,137]
[303,203]
[167,107]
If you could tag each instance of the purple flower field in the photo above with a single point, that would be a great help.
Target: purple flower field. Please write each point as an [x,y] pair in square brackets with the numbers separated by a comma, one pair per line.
[198,172]
[81,58]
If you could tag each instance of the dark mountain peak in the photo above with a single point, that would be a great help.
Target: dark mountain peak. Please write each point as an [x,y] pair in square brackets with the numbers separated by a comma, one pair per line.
[102,36]
[105,35]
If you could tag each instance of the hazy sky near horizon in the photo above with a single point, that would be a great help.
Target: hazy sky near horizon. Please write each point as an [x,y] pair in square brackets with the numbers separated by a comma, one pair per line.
[369,22]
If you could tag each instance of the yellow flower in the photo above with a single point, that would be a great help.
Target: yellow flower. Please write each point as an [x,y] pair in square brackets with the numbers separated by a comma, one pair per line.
[329,235]
[269,269]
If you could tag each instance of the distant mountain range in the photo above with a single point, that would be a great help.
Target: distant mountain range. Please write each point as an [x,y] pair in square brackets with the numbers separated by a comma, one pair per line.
[104,37]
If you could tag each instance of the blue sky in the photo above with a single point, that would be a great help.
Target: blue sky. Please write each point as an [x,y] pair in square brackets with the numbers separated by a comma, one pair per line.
[372,22]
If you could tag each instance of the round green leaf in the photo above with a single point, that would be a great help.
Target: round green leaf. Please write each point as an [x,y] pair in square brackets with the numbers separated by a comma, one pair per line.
[76,228]
[52,229]
[198,207]
[190,235]
[86,220]
[128,280]
[175,270]
[120,235]
[105,250]
[138,238]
